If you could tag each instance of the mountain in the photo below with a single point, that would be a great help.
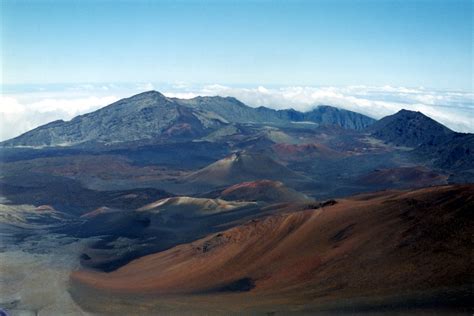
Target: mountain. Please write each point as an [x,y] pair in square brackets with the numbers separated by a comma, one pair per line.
[410,129]
[263,190]
[208,206]
[237,112]
[434,143]
[454,153]
[239,167]
[150,116]
[232,110]
[328,115]
[374,250]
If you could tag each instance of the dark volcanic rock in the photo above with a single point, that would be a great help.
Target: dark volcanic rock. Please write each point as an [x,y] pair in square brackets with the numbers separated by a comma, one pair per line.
[328,115]
[237,112]
[70,196]
[411,129]
[433,142]
[455,153]
[150,116]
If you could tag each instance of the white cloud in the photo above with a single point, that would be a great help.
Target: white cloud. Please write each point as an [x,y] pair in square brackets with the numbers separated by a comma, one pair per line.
[17,118]
[71,107]
[455,109]
[10,105]
[21,111]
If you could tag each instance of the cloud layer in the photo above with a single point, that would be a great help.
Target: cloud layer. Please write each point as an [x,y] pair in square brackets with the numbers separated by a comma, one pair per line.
[455,109]
[17,117]
[24,108]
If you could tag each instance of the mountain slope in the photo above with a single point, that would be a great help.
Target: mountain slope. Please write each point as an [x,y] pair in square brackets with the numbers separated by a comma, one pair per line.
[232,110]
[235,111]
[328,115]
[148,115]
[411,129]
[239,167]
[263,190]
[455,153]
[410,250]
[153,117]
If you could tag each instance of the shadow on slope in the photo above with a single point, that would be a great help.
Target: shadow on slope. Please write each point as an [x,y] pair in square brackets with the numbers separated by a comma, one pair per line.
[394,250]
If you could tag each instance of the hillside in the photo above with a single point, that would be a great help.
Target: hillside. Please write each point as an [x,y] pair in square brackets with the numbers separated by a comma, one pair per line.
[410,129]
[411,249]
[150,116]
[240,167]
[263,190]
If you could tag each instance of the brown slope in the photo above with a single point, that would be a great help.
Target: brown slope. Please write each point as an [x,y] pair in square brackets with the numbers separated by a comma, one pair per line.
[240,167]
[396,247]
[417,176]
[263,190]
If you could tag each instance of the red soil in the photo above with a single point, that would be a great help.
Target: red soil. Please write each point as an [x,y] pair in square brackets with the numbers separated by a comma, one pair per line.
[262,190]
[418,176]
[367,246]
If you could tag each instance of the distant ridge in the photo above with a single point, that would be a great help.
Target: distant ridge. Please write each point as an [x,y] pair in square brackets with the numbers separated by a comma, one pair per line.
[235,111]
[153,116]
[411,129]
[431,140]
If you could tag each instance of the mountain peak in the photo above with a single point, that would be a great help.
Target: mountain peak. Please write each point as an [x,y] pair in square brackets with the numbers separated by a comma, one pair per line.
[416,115]
[151,116]
[148,94]
[410,128]
[410,113]
[241,166]
[215,99]
[325,107]
[329,115]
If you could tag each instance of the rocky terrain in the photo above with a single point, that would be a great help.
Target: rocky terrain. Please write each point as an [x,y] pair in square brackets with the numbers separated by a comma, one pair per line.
[151,115]
[383,250]
[157,205]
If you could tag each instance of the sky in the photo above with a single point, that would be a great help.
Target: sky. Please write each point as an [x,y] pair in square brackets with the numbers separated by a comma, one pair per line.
[62,58]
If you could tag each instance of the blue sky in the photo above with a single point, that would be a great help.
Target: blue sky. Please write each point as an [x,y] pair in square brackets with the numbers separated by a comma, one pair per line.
[400,43]
[62,58]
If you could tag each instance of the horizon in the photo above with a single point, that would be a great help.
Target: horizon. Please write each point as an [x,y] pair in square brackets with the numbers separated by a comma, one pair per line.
[214,157]
[24,107]
[63,59]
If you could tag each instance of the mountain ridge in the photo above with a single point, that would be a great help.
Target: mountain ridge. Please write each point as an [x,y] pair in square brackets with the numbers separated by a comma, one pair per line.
[153,116]
[410,128]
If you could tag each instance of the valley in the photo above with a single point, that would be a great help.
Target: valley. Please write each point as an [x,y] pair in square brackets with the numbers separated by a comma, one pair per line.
[206,205]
